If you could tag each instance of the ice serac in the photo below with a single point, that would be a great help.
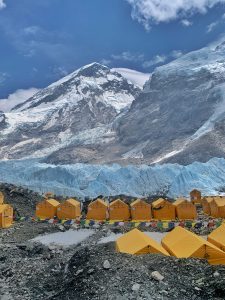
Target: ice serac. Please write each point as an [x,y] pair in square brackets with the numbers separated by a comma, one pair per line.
[71,114]
[88,180]
[180,115]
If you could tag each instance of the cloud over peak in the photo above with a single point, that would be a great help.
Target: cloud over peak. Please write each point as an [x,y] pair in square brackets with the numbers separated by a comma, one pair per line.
[2,4]
[17,97]
[157,11]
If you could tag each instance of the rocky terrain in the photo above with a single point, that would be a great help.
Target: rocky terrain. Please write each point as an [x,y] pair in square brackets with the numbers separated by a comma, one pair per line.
[30,270]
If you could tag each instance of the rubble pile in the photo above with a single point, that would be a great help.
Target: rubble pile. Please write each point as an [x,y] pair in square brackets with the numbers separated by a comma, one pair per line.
[23,200]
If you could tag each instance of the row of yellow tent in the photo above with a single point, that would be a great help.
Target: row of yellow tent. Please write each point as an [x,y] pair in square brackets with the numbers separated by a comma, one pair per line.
[214,206]
[160,209]
[180,243]
[6,213]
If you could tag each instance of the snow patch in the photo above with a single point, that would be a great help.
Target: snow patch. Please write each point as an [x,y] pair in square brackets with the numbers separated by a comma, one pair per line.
[137,78]
[64,239]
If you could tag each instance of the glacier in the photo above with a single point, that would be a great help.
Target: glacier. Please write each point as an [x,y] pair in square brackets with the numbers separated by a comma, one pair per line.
[86,180]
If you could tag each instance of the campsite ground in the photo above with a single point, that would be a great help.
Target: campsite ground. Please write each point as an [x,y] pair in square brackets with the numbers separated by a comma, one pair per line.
[92,269]
[83,264]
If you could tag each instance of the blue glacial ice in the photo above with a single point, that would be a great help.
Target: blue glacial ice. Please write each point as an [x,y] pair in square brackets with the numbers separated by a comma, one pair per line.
[85,180]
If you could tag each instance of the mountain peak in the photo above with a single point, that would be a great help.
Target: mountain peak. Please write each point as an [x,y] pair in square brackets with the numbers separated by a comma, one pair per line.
[93,70]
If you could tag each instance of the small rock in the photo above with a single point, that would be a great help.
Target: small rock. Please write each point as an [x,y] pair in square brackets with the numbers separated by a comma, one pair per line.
[197,288]
[136,287]
[61,228]
[90,271]
[216,274]
[79,272]
[157,276]
[106,265]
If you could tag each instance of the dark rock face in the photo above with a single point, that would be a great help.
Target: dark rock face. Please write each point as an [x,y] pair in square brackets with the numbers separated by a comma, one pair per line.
[180,110]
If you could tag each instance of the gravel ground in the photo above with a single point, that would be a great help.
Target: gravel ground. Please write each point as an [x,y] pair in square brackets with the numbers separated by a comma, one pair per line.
[90,270]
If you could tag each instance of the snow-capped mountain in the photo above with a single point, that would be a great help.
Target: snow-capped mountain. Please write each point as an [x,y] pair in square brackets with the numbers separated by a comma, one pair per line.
[96,115]
[78,109]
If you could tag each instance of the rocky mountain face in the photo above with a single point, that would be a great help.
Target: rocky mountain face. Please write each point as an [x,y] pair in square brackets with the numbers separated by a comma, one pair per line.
[180,115]
[96,115]
[75,110]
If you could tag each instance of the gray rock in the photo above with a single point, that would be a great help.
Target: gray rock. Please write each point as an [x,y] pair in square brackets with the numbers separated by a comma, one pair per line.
[136,287]
[106,265]
[157,276]
[216,274]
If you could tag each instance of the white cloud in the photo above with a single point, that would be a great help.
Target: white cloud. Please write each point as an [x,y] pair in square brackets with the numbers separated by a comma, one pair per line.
[138,78]
[3,77]
[176,53]
[2,4]
[31,30]
[156,11]
[18,97]
[186,23]
[158,59]
[105,62]
[211,27]
[128,56]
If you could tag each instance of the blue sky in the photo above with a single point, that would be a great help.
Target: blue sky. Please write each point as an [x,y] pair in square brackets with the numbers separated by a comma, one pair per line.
[43,40]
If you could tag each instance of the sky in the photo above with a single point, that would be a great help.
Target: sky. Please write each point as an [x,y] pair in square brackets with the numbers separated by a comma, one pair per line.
[42,41]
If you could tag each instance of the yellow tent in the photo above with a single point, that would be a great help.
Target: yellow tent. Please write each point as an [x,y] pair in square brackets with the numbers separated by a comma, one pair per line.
[163,210]
[1,198]
[137,242]
[6,216]
[47,209]
[182,243]
[195,196]
[140,210]
[70,209]
[97,210]
[119,211]
[206,204]
[217,237]
[217,207]
[185,210]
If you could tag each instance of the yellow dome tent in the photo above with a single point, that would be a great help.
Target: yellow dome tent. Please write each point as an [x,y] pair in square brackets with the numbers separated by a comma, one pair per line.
[47,209]
[217,207]
[140,210]
[185,210]
[206,204]
[196,196]
[6,215]
[97,210]
[163,210]
[137,242]
[217,237]
[119,211]
[182,243]
[1,198]
[70,209]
